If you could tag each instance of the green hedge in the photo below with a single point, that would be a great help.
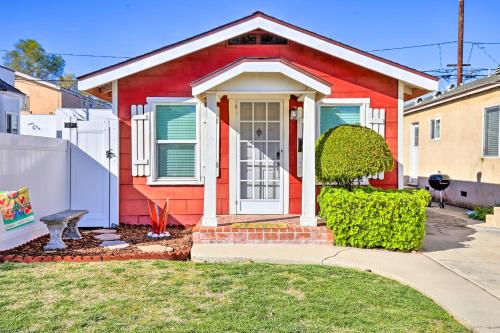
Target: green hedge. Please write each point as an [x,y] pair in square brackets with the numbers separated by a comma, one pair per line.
[374,218]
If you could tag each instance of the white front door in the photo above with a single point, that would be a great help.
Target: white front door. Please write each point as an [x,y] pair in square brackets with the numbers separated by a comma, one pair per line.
[414,143]
[259,157]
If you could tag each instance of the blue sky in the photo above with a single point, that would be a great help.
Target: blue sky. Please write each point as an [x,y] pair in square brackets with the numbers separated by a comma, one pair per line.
[132,27]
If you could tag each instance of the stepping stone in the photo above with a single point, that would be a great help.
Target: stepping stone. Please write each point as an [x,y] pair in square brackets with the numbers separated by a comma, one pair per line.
[107,237]
[153,248]
[104,231]
[114,244]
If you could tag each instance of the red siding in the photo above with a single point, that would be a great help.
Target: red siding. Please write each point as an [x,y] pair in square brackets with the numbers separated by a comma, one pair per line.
[174,78]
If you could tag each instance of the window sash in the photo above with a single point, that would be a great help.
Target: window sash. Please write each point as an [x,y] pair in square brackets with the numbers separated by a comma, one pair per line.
[12,125]
[435,128]
[184,162]
[332,116]
[491,144]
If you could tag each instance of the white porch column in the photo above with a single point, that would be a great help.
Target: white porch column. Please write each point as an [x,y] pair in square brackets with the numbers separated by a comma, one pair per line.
[308,217]
[210,167]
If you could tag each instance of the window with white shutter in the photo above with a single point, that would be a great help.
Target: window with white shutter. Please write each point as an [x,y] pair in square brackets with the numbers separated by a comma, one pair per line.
[491,131]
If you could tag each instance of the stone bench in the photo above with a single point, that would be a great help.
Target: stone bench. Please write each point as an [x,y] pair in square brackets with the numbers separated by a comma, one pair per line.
[62,225]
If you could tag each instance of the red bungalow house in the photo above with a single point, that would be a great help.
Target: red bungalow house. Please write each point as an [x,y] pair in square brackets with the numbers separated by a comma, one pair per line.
[225,122]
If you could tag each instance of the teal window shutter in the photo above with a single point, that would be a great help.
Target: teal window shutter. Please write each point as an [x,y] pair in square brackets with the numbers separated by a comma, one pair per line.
[333,116]
[176,141]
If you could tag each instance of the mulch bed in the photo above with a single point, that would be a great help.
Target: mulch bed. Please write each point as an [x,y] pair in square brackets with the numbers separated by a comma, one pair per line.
[88,249]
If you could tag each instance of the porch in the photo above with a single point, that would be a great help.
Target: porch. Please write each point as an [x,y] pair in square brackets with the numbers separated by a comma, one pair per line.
[262,229]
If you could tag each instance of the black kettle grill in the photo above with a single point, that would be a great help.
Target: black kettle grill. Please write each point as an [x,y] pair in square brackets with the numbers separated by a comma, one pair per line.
[439,182]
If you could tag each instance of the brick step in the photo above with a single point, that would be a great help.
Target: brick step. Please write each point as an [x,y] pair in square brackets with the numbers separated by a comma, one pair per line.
[290,235]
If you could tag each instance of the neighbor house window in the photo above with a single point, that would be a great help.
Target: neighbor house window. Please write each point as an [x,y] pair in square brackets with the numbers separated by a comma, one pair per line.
[12,123]
[491,129]
[176,141]
[435,129]
[332,116]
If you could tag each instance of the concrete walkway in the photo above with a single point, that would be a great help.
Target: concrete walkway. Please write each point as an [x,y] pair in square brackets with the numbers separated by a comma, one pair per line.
[467,302]
[465,246]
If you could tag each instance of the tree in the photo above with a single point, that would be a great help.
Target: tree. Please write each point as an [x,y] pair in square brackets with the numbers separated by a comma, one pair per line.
[350,152]
[68,81]
[30,58]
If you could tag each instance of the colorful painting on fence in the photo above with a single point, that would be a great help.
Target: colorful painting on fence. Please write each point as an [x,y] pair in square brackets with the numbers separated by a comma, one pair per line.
[16,208]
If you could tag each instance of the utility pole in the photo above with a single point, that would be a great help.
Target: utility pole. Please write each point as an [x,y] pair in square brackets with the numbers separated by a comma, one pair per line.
[460,55]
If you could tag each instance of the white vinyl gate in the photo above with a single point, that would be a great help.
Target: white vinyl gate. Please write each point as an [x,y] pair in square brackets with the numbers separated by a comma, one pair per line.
[93,157]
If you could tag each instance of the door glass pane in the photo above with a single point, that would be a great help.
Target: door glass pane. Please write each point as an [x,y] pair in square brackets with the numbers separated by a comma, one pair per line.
[260,111]
[176,160]
[260,131]
[246,171]
[273,111]
[260,168]
[246,149]
[246,131]
[273,171]
[260,190]
[273,190]
[246,190]
[246,111]
[260,151]
[273,131]
[273,151]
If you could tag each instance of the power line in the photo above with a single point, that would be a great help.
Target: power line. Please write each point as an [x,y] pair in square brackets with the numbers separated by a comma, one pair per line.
[431,44]
[80,55]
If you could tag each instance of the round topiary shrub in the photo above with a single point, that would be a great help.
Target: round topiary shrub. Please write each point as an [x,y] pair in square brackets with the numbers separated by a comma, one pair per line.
[350,152]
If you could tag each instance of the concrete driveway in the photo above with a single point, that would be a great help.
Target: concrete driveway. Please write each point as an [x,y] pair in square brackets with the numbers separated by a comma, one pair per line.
[464,246]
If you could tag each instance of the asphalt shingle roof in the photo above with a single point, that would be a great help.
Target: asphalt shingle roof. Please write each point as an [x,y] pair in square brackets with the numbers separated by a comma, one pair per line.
[4,86]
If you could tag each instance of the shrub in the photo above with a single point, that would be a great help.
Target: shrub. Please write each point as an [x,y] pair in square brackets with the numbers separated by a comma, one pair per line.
[350,152]
[480,213]
[373,218]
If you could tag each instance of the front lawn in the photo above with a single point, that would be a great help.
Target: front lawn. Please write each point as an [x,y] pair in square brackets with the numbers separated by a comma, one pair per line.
[154,296]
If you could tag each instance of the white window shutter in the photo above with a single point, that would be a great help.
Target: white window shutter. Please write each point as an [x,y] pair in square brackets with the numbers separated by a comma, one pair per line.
[375,119]
[141,140]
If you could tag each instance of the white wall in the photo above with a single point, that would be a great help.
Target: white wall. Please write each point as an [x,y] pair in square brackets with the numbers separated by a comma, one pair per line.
[9,103]
[42,165]
[39,125]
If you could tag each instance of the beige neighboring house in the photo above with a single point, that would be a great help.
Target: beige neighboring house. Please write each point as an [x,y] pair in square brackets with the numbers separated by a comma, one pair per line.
[457,133]
[43,97]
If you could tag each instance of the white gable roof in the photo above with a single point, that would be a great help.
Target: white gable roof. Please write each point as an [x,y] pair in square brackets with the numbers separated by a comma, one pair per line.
[258,21]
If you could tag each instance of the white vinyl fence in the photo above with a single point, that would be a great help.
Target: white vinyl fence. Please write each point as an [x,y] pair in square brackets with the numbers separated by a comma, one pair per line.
[41,164]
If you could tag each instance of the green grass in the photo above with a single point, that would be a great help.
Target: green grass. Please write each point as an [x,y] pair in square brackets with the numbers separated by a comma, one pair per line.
[159,296]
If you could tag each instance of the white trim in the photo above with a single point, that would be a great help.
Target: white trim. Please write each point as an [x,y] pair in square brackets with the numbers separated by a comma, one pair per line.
[29,78]
[262,67]
[308,216]
[259,22]
[400,134]
[431,129]
[363,103]
[114,184]
[210,191]
[233,163]
[153,179]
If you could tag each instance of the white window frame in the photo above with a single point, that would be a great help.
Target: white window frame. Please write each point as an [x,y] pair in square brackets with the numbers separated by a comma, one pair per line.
[484,132]
[363,103]
[153,179]
[12,115]
[431,129]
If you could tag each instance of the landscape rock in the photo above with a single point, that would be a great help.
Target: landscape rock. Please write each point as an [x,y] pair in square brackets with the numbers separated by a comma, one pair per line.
[107,237]
[114,244]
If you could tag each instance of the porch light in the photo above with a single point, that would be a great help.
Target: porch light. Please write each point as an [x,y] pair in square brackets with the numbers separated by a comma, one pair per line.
[296,113]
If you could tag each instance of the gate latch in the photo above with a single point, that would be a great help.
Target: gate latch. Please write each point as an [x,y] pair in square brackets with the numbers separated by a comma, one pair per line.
[110,154]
